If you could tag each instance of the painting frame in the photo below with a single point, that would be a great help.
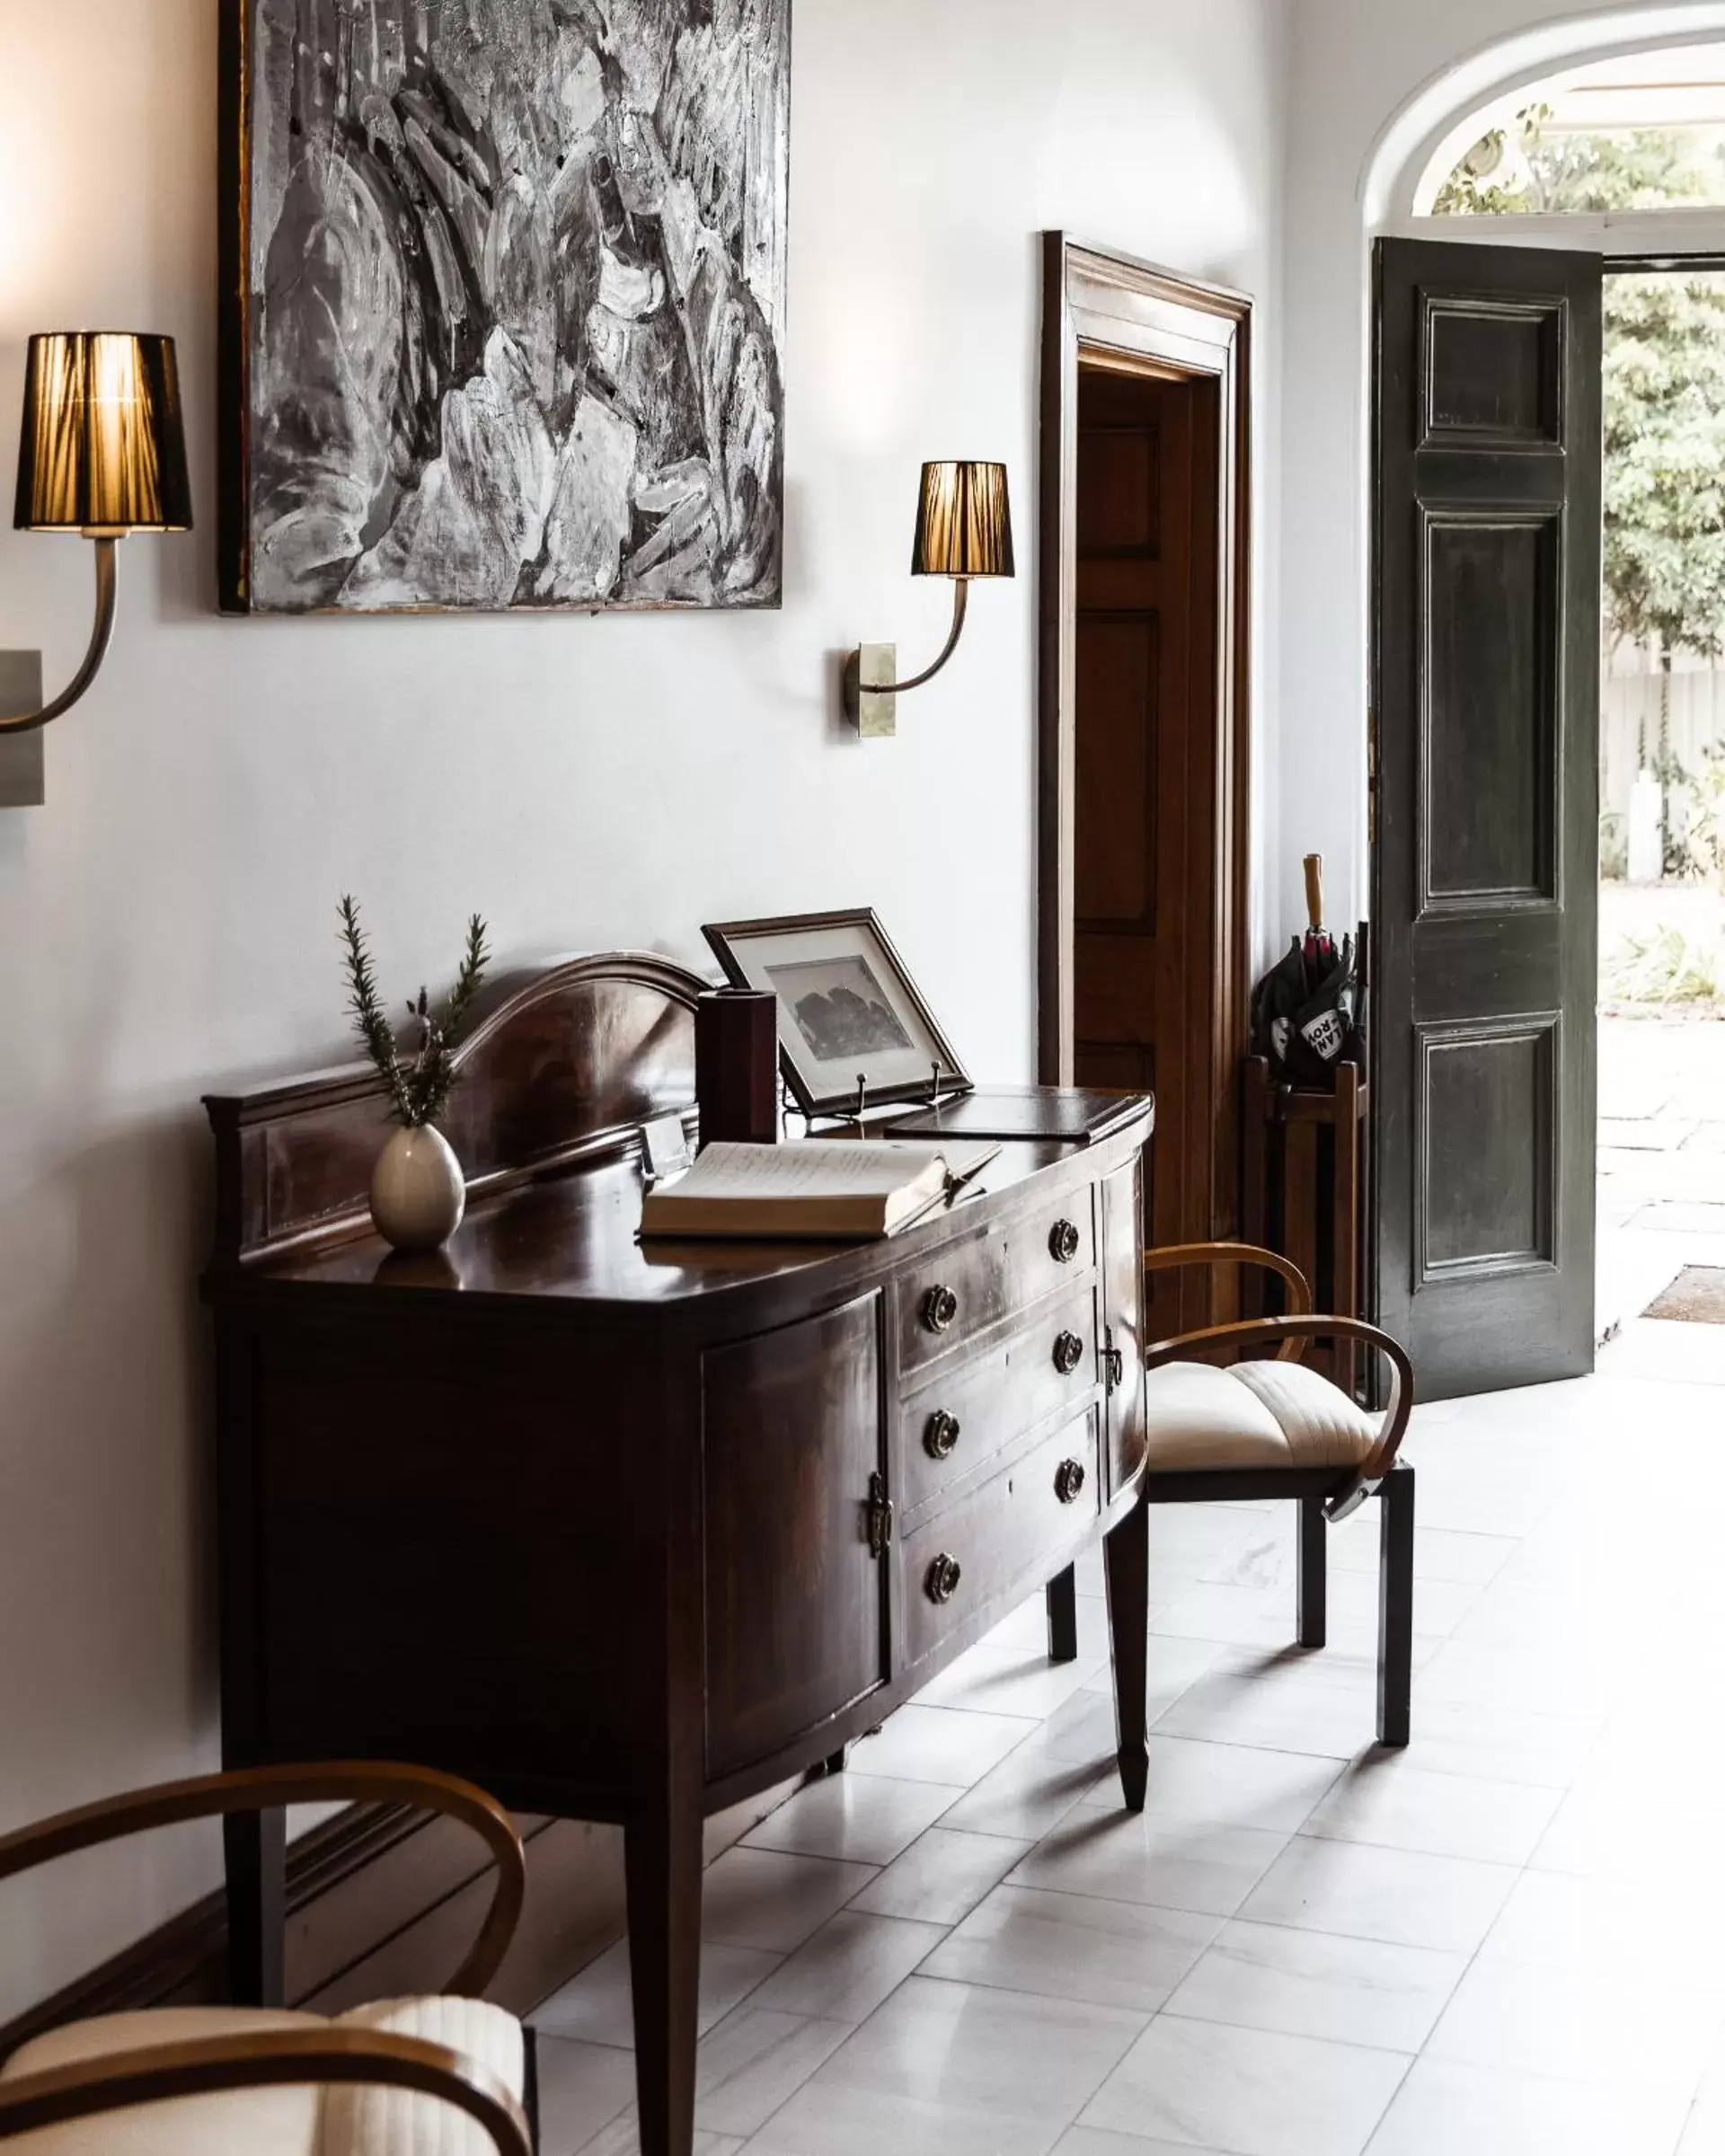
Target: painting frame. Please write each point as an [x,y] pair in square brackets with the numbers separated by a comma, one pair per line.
[241,591]
[847,958]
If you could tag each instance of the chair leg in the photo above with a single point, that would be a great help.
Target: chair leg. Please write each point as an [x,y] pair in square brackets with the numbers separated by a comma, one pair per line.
[1313,1582]
[1063,1615]
[1395,1607]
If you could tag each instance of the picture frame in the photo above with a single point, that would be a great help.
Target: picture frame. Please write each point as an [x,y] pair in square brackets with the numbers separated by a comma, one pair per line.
[854,1028]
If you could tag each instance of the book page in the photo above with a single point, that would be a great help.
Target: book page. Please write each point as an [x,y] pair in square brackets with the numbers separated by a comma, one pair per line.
[810,1169]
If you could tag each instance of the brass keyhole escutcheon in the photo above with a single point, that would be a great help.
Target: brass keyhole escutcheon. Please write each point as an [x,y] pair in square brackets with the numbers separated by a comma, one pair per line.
[1069,1353]
[940,1437]
[939,1308]
[944,1576]
[1063,1241]
[1069,1481]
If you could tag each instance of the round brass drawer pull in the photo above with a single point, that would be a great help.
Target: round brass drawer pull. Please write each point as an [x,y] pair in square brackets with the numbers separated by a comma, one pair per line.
[941,1438]
[944,1576]
[1069,1481]
[939,1308]
[1069,1353]
[1064,1239]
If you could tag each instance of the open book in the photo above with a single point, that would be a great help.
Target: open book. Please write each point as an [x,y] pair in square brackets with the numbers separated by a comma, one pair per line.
[836,1188]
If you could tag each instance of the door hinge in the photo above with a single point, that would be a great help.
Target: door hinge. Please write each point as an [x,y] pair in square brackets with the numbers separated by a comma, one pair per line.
[1371,777]
[880,1517]
[1114,1361]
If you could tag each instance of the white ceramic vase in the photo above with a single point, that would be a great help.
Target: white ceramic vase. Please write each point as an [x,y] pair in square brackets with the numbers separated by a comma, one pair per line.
[418,1195]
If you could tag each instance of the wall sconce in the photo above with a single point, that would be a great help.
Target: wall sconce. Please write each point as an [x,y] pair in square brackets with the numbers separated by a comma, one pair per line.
[964,529]
[103,455]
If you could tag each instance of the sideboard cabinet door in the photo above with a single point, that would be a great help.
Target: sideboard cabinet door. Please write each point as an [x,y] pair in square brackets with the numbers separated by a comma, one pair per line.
[1123,1315]
[797,1597]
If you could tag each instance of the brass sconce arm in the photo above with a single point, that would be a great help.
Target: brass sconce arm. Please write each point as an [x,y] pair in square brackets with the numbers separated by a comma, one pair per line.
[101,636]
[960,605]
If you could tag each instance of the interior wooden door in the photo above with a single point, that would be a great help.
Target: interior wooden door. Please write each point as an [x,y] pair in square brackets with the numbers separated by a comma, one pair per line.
[1144,927]
[1485,903]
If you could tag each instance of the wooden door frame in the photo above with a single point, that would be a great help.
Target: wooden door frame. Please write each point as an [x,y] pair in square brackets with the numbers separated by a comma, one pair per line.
[1107,310]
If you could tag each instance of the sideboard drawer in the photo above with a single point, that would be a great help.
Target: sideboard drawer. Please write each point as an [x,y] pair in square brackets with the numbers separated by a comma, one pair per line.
[1001,1536]
[971,1410]
[956,1294]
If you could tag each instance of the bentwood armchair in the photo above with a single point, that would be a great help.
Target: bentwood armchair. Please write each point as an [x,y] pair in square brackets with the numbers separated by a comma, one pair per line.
[1276,1428]
[438,2076]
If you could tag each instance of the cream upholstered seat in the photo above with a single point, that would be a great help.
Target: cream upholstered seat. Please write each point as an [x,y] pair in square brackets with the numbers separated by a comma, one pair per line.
[437,2076]
[1265,1415]
[293,2121]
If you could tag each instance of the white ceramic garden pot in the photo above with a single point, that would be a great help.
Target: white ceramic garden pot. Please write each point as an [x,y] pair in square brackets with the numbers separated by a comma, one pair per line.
[418,1195]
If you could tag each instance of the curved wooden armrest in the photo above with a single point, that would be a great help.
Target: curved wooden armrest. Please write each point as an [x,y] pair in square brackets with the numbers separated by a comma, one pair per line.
[1299,1290]
[1255,1331]
[258,1788]
[263,2059]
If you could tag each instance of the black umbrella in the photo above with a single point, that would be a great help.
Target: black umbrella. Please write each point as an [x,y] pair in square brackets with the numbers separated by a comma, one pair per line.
[1305,1012]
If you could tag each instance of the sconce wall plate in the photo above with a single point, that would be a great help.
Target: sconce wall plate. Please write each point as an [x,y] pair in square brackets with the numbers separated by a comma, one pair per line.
[877,702]
[23,784]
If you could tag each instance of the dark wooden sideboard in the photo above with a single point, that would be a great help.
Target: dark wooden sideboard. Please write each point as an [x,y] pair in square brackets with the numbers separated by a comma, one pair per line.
[629,1532]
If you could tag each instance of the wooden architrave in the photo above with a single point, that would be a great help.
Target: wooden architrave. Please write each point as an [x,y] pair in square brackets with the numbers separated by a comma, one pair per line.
[1106,310]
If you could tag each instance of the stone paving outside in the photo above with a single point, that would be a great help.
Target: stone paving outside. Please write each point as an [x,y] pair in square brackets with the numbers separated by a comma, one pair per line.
[1662,1156]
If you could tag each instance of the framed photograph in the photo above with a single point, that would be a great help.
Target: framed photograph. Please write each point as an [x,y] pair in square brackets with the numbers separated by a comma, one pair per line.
[849,1014]
[504,304]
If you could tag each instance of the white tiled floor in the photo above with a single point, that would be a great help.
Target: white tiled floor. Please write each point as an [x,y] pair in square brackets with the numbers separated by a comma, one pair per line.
[1504,1941]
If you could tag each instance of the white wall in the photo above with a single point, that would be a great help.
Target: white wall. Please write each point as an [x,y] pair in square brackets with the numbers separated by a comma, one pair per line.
[1371,85]
[165,921]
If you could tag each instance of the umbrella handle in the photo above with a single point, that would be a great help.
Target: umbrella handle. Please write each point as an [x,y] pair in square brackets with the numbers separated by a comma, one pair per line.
[1315,889]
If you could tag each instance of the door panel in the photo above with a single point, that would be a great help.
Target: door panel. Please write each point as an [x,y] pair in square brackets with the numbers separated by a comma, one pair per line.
[1486,653]
[1145,628]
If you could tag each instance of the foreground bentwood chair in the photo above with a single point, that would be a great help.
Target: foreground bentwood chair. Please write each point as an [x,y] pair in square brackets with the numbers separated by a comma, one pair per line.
[1277,1429]
[441,2076]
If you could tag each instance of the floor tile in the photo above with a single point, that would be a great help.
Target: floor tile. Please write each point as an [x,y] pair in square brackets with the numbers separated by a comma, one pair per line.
[1247,2090]
[1444,2109]
[582,2088]
[1070,1946]
[1309,1984]
[1169,1863]
[1010,1680]
[1493,1742]
[1091,2141]
[1553,1921]
[1386,1798]
[861,1818]
[849,1967]
[1029,1792]
[1327,1721]
[596,2006]
[1174,1665]
[947,2068]
[1398,1896]
[941,1878]
[622,2137]
[1232,1785]
[1580,2022]
[764,1897]
[939,1744]
[756,2061]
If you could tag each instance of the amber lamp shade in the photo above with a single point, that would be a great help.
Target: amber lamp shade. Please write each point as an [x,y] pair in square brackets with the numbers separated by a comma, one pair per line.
[964,522]
[104,447]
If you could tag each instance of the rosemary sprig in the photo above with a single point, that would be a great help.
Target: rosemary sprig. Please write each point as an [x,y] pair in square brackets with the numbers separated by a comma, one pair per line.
[420,1089]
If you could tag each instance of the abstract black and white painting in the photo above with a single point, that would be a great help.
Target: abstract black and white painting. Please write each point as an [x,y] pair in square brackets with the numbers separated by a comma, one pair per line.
[506,294]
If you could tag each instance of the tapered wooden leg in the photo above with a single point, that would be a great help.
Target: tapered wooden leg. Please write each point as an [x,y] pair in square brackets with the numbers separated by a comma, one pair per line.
[1063,1615]
[1395,1607]
[1128,1558]
[662,1867]
[1313,1598]
[255,1847]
